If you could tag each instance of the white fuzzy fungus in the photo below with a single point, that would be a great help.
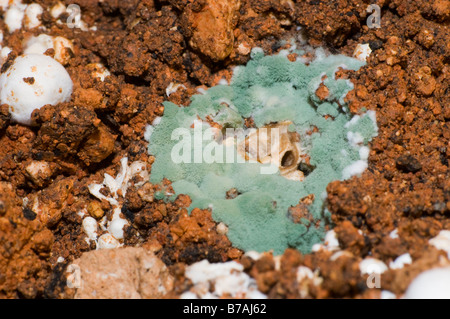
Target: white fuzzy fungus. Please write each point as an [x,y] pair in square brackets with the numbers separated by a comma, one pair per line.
[107,241]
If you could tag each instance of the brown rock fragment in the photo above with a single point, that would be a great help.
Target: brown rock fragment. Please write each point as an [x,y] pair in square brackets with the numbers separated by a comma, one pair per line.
[98,146]
[23,249]
[4,116]
[212,27]
[95,209]
[49,203]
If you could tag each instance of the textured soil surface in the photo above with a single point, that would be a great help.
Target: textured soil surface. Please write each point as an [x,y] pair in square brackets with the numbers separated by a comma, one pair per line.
[147,45]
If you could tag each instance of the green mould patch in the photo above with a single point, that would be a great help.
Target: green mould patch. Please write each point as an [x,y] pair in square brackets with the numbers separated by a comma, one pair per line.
[256,206]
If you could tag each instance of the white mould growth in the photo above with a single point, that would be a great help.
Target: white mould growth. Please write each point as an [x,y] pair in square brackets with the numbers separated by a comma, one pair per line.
[364,153]
[356,140]
[118,187]
[148,132]
[121,182]
[32,81]
[220,279]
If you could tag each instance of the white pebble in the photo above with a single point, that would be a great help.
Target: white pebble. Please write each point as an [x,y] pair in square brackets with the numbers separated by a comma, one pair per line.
[90,227]
[32,81]
[226,279]
[431,284]
[107,241]
[115,228]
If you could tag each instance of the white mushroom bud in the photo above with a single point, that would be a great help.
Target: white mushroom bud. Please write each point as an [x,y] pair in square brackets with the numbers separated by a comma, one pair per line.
[115,228]
[32,81]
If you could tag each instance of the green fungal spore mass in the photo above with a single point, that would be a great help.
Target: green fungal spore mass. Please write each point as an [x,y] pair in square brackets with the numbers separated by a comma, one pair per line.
[269,89]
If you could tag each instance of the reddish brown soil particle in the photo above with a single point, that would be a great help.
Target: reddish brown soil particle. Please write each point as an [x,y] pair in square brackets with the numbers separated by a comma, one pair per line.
[322,92]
